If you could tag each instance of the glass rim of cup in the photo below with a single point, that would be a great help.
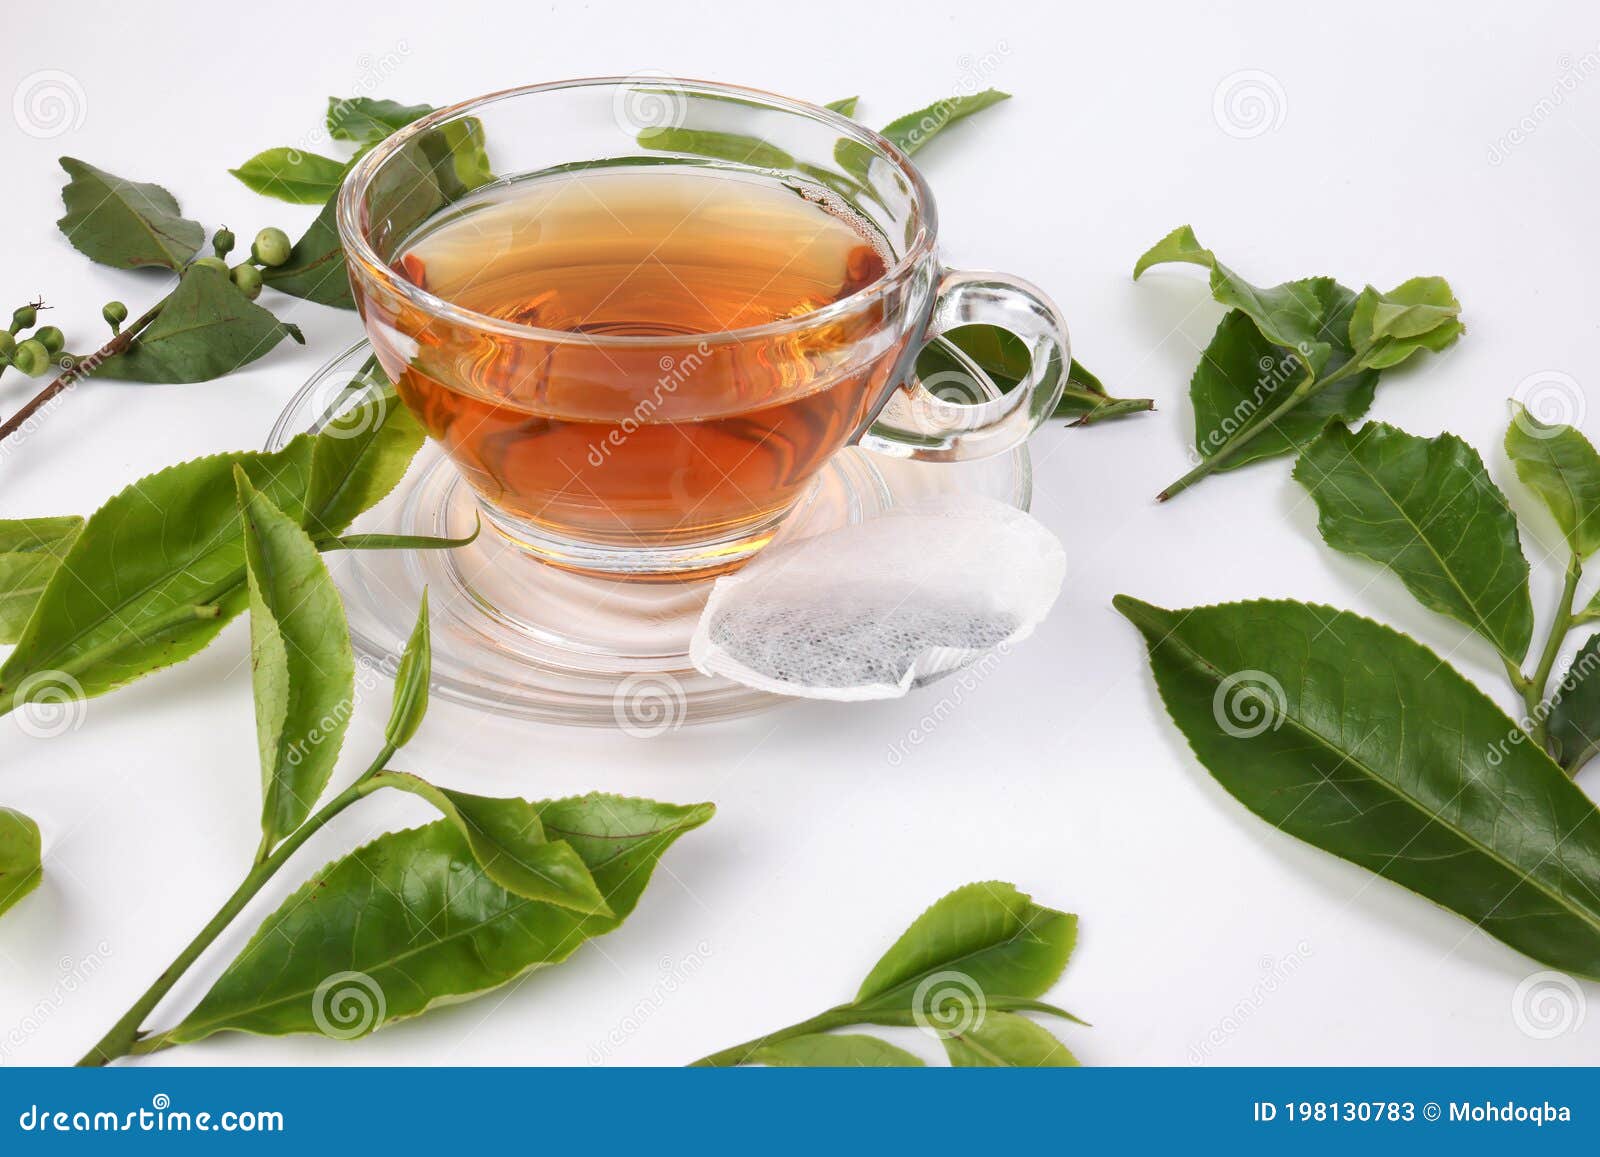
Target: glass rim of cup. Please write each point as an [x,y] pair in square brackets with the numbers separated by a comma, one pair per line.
[356,245]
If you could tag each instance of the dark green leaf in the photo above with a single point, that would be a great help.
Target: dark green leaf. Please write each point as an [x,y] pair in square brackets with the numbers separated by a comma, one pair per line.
[412,920]
[20,870]
[834,1051]
[1574,722]
[291,175]
[845,107]
[914,130]
[1420,314]
[315,270]
[1559,465]
[30,551]
[1426,509]
[367,121]
[995,937]
[1242,378]
[1006,1040]
[301,665]
[1360,741]
[411,679]
[206,329]
[125,224]
[508,841]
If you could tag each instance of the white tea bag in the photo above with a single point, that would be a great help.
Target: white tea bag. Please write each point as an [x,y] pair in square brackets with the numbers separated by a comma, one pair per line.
[871,610]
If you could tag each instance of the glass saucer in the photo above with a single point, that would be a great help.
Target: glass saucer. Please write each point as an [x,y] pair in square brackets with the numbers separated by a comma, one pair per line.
[516,636]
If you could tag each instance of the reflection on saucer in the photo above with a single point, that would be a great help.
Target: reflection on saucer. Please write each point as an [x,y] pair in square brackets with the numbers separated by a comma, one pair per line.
[516,636]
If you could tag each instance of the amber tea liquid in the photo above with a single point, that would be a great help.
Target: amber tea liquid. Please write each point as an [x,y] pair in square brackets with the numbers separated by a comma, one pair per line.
[679,435]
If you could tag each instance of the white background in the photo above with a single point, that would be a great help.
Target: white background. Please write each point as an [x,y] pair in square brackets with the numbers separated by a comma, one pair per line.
[1206,936]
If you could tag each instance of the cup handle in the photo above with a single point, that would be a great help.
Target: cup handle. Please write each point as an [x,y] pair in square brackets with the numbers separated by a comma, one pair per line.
[957,415]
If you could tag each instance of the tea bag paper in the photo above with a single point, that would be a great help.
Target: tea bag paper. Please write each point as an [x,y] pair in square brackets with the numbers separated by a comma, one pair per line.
[872,610]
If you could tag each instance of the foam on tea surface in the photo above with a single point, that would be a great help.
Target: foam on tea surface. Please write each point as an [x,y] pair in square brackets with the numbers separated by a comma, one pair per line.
[870,611]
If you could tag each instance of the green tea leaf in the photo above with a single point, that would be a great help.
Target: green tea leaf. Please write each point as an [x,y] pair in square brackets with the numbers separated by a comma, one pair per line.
[1004,357]
[315,270]
[206,329]
[1362,742]
[1243,378]
[508,842]
[914,130]
[983,950]
[359,457]
[30,551]
[834,1051]
[412,920]
[1426,509]
[292,175]
[1419,314]
[845,107]
[125,224]
[1561,466]
[995,937]
[300,662]
[160,568]
[1574,721]
[411,679]
[1006,1040]
[367,121]
[154,575]
[742,150]
[20,870]
[1309,317]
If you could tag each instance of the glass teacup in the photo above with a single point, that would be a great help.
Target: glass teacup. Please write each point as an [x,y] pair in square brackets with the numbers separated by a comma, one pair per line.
[641,314]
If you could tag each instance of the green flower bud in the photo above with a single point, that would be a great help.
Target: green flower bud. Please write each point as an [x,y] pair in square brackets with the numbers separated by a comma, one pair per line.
[31,358]
[51,338]
[115,314]
[222,242]
[23,318]
[216,263]
[271,246]
[248,279]
[8,344]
